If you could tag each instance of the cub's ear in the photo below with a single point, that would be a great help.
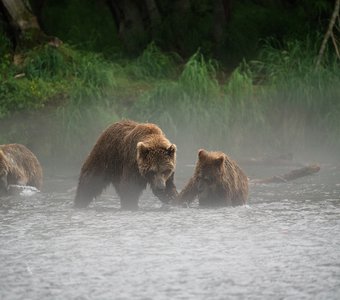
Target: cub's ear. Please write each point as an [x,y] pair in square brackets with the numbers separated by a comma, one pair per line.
[219,161]
[202,154]
[142,150]
[171,150]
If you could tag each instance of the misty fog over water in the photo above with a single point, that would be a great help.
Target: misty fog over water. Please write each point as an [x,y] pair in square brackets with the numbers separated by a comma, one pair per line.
[283,245]
[258,80]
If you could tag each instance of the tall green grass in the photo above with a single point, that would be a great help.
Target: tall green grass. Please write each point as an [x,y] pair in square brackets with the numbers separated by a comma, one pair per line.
[278,102]
[153,64]
[302,102]
[46,74]
[73,87]
[195,109]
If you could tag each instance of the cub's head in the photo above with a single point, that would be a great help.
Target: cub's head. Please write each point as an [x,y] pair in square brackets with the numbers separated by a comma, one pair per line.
[156,163]
[3,172]
[209,172]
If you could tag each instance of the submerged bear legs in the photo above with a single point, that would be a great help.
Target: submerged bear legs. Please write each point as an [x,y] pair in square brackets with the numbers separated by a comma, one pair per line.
[129,194]
[89,187]
[129,187]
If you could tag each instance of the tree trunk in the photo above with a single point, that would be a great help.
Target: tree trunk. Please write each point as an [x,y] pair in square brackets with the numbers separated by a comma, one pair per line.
[21,15]
[154,15]
[329,32]
[182,6]
[129,20]
[22,18]
[292,175]
[38,8]
[221,13]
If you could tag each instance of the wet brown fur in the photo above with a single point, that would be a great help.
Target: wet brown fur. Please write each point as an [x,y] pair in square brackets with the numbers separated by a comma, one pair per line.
[128,155]
[217,180]
[19,166]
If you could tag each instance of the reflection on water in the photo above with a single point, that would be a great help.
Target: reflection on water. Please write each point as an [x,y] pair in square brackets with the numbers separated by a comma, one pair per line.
[284,245]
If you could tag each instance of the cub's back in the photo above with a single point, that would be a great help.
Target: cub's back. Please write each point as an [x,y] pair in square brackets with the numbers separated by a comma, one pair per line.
[21,158]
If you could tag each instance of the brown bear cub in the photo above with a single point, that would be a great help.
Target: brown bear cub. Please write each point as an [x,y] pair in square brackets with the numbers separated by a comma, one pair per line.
[18,166]
[129,155]
[217,181]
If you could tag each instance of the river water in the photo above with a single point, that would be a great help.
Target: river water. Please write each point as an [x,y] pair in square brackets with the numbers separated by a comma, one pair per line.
[284,245]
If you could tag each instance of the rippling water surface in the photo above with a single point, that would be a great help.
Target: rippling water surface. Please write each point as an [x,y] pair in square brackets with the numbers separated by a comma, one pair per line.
[284,245]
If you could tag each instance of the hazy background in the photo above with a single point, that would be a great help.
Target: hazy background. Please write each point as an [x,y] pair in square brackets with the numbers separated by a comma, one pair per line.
[238,76]
[246,77]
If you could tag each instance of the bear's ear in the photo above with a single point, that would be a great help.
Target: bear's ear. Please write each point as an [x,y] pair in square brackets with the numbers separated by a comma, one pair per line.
[219,161]
[171,150]
[202,154]
[142,150]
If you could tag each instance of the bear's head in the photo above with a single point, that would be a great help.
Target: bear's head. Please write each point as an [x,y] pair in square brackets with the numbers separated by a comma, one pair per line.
[3,172]
[209,174]
[156,162]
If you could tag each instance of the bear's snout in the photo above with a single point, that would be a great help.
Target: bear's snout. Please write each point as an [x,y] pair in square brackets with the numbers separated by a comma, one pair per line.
[159,183]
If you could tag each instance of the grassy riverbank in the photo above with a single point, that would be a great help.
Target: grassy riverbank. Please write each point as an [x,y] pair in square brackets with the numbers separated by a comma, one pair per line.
[57,100]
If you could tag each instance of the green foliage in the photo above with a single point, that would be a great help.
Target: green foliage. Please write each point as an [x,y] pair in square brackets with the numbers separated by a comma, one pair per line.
[185,30]
[293,106]
[78,124]
[5,58]
[23,94]
[253,22]
[300,101]
[78,84]
[243,99]
[87,24]
[5,44]
[58,63]
[46,72]
[277,101]
[47,62]
[152,64]
[198,78]
[184,106]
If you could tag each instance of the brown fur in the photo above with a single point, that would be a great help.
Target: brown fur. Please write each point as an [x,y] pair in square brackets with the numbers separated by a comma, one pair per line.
[129,155]
[19,166]
[217,180]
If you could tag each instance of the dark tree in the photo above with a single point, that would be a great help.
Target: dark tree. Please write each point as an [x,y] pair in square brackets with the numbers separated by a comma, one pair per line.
[221,14]
[27,29]
[130,18]
[332,24]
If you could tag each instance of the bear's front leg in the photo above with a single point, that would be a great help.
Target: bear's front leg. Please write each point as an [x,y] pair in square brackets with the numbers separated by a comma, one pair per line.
[169,194]
[129,196]
[129,191]
[189,192]
[3,184]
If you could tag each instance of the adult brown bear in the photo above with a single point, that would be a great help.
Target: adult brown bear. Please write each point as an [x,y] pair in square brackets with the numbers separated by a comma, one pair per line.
[129,155]
[217,181]
[18,166]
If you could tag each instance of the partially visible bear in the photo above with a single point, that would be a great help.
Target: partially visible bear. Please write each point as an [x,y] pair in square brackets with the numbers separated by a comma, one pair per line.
[18,166]
[217,181]
[129,155]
